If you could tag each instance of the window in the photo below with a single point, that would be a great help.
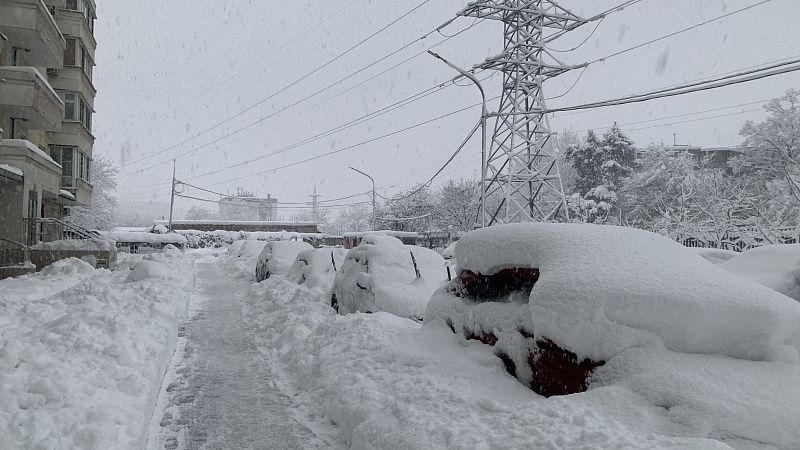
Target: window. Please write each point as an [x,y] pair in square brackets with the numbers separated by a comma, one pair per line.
[72,4]
[67,169]
[69,53]
[69,106]
[85,115]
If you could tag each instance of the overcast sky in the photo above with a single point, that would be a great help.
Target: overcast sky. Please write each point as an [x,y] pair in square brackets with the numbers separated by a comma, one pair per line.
[164,75]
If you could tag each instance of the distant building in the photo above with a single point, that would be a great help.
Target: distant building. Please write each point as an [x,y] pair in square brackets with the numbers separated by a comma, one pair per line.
[241,225]
[711,157]
[46,107]
[249,208]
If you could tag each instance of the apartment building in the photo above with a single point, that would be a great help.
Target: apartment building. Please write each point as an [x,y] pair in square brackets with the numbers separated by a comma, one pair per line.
[46,107]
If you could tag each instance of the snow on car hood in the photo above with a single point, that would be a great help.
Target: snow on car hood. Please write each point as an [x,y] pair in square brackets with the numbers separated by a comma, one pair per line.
[604,289]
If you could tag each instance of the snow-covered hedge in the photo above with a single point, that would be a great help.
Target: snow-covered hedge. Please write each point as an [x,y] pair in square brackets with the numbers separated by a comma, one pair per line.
[380,275]
[83,351]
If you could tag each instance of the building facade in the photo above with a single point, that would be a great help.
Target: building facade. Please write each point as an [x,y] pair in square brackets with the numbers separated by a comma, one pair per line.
[46,106]
[249,208]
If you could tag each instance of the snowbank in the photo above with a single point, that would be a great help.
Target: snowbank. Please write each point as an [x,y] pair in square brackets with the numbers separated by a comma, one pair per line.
[379,275]
[376,381]
[277,257]
[605,289]
[316,268]
[83,351]
[774,266]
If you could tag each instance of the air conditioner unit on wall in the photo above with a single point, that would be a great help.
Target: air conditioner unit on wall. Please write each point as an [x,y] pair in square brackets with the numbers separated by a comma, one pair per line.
[52,10]
[52,73]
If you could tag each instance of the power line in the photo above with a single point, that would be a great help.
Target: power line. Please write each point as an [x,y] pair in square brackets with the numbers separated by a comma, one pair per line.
[216,86]
[678,32]
[275,113]
[350,147]
[295,82]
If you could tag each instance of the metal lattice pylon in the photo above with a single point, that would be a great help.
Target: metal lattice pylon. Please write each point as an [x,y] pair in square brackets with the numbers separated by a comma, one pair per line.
[521,174]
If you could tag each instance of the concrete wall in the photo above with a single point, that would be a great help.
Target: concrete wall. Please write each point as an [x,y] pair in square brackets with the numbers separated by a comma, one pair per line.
[43,258]
[12,225]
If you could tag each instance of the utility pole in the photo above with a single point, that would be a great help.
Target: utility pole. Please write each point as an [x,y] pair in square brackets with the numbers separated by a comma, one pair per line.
[172,196]
[484,117]
[314,204]
[374,199]
[519,166]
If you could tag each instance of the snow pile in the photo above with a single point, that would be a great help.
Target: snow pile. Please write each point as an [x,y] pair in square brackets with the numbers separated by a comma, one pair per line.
[376,381]
[69,266]
[83,351]
[774,266]
[316,268]
[277,257]
[605,289]
[12,169]
[242,257]
[77,244]
[379,275]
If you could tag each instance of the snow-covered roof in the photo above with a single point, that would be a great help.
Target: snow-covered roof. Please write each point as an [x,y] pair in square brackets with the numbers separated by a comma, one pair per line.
[12,169]
[604,289]
[66,194]
[30,146]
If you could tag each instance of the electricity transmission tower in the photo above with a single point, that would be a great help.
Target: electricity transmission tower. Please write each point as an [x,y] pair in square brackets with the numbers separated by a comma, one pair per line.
[521,177]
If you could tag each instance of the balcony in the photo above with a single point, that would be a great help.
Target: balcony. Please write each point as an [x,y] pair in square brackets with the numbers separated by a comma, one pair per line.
[37,166]
[73,24]
[78,187]
[73,134]
[25,94]
[73,79]
[29,25]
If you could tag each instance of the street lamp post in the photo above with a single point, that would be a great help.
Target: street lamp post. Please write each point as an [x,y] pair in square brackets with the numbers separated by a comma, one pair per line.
[484,117]
[374,199]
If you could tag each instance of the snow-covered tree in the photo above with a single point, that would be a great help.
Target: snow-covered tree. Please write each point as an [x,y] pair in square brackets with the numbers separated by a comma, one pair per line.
[353,219]
[456,205]
[409,211]
[600,166]
[201,213]
[772,156]
[101,214]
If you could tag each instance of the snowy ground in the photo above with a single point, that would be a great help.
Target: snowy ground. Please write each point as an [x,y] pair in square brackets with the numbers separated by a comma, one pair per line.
[82,351]
[219,391]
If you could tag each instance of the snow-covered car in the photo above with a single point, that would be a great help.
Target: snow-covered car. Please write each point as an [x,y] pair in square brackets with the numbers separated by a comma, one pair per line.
[559,300]
[241,256]
[277,257]
[774,266]
[383,274]
[316,268]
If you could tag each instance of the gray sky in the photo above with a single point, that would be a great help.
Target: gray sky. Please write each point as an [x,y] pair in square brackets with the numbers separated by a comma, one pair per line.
[161,69]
